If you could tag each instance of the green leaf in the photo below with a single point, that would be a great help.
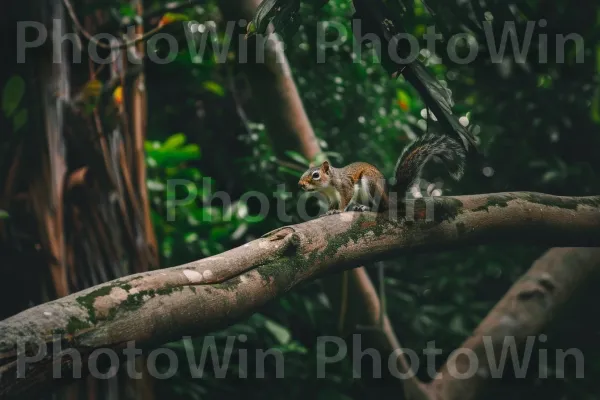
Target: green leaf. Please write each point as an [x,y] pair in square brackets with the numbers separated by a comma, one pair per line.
[191,150]
[3,214]
[544,81]
[251,29]
[403,100]
[169,18]
[280,333]
[127,11]
[290,171]
[550,176]
[214,87]
[173,158]
[175,141]
[190,237]
[150,145]
[20,119]
[12,94]
[297,157]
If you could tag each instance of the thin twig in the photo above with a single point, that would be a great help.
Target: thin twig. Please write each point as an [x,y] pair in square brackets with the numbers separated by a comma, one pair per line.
[176,7]
[92,39]
[290,165]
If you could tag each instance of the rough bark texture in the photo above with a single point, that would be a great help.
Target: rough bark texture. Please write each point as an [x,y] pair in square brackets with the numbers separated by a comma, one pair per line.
[73,179]
[151,308]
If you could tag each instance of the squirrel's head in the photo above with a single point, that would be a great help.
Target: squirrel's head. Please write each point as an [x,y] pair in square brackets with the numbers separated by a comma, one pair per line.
[316,178]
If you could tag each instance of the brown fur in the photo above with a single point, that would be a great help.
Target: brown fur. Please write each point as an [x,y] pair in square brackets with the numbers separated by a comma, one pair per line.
[344,180]
[341,185]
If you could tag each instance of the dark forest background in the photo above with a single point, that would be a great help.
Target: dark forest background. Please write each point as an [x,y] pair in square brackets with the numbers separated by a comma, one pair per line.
[83,197]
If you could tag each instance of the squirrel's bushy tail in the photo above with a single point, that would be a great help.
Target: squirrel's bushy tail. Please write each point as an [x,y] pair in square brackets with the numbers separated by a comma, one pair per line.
[419,152]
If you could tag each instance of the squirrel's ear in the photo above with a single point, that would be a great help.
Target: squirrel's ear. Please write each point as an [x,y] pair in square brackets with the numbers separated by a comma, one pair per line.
[325,166]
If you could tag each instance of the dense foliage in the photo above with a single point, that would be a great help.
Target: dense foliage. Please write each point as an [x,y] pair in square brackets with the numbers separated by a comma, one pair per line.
[533,121]
[536,122]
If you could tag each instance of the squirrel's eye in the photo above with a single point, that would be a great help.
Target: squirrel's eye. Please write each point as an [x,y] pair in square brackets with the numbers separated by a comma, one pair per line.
[315,175]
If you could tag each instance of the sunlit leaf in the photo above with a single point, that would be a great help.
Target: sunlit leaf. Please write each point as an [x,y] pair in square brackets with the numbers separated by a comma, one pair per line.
[191,237]
[282,335]
[403,100]
[174,141]
[3,214]
[214,87]
[169,18]
[118,95]
[550,176]
[297,157]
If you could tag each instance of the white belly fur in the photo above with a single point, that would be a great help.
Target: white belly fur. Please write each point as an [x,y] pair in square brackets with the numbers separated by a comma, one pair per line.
[361,193]
[333,196]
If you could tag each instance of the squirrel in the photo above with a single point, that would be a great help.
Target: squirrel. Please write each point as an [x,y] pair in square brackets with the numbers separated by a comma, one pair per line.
[362,187]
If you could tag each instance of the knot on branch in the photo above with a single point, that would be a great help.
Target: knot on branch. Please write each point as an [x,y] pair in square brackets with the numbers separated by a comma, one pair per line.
[280,233]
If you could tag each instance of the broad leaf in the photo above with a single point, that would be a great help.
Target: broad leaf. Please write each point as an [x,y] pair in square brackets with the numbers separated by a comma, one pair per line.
[174,141]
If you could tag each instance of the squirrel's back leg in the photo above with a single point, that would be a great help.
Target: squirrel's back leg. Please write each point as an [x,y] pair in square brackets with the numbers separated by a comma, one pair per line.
[379,200]
[360,199]
[369,194]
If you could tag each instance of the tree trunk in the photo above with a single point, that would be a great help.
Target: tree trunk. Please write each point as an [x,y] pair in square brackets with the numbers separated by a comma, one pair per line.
[73,180]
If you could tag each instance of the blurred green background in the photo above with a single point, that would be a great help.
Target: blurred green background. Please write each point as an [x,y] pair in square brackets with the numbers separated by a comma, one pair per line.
[537,124]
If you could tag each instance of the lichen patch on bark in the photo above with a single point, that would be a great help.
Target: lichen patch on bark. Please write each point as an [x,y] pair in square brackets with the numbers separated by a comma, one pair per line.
[193,276]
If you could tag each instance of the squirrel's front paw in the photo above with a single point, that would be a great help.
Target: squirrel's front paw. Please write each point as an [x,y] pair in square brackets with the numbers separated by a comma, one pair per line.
[332,212]
[357,207]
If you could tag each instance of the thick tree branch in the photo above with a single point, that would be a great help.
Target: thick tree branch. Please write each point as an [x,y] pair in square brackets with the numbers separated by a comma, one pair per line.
[534,301]
[154,307]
